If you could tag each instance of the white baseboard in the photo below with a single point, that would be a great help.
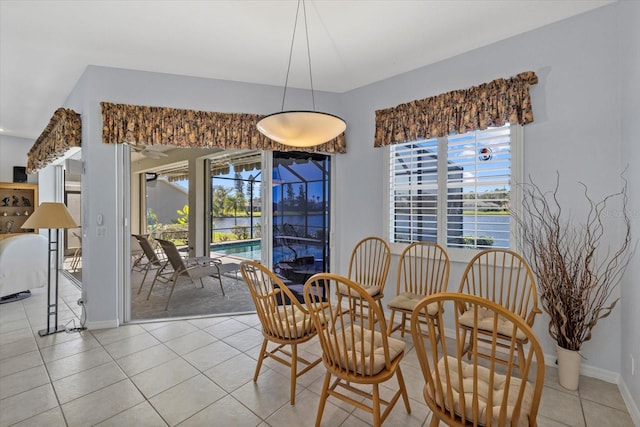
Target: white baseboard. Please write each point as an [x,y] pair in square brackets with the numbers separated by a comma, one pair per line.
[634,412]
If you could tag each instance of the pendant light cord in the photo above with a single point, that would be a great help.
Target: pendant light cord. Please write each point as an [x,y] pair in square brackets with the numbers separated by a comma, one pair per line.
[293,38]
[306,33]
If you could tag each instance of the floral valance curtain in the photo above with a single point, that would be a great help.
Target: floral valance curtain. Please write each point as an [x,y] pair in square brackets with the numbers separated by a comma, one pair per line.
[141,125]
[62,132]
[490,104]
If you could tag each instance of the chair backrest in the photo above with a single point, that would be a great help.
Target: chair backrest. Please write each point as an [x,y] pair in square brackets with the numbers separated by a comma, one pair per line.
[173,255]
[350,343]
[423,269]
[369,264]
[148,250]
[480,391]
[136,249]
[281,314]
[504,277]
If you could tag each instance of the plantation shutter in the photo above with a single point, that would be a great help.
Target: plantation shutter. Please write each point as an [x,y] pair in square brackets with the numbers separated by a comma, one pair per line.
[413,191]
[478,188]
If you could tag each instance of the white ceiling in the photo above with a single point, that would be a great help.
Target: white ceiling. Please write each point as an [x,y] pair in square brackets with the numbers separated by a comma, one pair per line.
[46,45]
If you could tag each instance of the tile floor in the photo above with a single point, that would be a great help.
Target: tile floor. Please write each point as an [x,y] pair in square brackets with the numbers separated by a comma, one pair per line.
[199,372]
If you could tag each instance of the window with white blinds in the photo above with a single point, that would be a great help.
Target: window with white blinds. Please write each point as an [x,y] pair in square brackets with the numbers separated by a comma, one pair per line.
[454,190]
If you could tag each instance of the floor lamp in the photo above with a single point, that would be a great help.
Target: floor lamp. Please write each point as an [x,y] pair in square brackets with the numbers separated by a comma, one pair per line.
[52,216]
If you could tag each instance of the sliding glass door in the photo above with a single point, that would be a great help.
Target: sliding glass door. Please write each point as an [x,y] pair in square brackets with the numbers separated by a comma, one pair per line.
[300,192]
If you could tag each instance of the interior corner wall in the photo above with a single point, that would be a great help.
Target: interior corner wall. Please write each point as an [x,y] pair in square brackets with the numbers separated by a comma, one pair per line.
[630,159]
[576,131]
[13,152]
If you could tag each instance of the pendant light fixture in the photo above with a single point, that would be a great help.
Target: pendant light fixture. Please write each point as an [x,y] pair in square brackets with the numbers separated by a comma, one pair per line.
[301,128]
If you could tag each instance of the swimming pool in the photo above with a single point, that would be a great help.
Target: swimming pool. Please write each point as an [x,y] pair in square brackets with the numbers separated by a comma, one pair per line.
[251,249]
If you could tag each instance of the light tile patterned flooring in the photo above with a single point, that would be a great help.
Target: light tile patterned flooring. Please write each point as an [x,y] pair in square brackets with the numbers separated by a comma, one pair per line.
[199,373]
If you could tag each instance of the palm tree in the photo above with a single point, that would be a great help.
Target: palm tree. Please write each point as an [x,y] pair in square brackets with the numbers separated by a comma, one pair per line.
[219,198]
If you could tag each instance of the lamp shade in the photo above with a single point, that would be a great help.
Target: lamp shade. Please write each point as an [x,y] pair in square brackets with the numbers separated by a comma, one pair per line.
[301,128]
[50,215]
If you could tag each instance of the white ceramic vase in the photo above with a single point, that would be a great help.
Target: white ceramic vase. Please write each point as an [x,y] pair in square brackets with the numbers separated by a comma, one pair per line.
[568,368]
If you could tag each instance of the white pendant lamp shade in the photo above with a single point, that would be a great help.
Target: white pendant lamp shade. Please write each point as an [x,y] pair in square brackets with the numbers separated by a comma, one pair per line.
[301,128]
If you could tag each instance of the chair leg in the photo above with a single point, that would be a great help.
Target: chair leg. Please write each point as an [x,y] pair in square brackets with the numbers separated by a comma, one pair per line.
[521,358]
[323,398]
[260,359]
[153,283]
[403,389]
[220,280]
[294,371]
[375,405]
[403,324]
[435,422]
[390,327]
[173,286]
[146,270]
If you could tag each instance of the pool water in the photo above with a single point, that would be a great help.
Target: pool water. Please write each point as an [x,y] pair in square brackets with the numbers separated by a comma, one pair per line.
[251,249]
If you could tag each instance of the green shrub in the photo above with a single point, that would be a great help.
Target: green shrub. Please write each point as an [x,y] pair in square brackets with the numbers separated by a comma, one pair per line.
[479,241]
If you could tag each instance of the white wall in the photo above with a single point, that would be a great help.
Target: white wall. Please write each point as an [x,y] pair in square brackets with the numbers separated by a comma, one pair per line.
[165,199]
[13,152]
[630,156]
[576,131]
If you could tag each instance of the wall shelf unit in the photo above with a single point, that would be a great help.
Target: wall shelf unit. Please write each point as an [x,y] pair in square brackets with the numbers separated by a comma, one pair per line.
[17,202]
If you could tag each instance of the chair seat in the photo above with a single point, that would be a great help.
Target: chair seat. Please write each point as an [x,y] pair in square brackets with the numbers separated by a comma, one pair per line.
[408,301]
[294,323]
[201,271]
[485,323]
[373,291]
[375,362]
[483,374]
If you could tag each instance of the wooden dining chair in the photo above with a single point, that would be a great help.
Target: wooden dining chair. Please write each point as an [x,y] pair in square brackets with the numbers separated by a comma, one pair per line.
[285,321]
[369,267]
[503,277]
[423,269]
[477,392]
[353,350]
[193,268]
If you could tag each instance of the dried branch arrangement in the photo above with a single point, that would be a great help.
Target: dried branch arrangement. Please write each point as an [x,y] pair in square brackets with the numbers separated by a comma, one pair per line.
[576,277]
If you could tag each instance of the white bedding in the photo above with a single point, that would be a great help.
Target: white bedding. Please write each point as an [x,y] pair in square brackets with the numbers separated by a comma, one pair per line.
[23,263]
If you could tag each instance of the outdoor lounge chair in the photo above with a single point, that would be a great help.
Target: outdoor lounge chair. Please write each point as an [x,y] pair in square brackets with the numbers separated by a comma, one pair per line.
[193,268]
[155,260]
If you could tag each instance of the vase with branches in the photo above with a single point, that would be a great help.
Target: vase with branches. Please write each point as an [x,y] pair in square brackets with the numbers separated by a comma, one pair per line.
[576,276]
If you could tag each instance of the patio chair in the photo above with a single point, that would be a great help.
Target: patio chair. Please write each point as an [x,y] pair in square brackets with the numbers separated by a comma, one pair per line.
[369,267]
[423,269]
[137,255]
[156,260]
[194,268]
[284,320]
[77,254]
[477,392]
[503,277]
